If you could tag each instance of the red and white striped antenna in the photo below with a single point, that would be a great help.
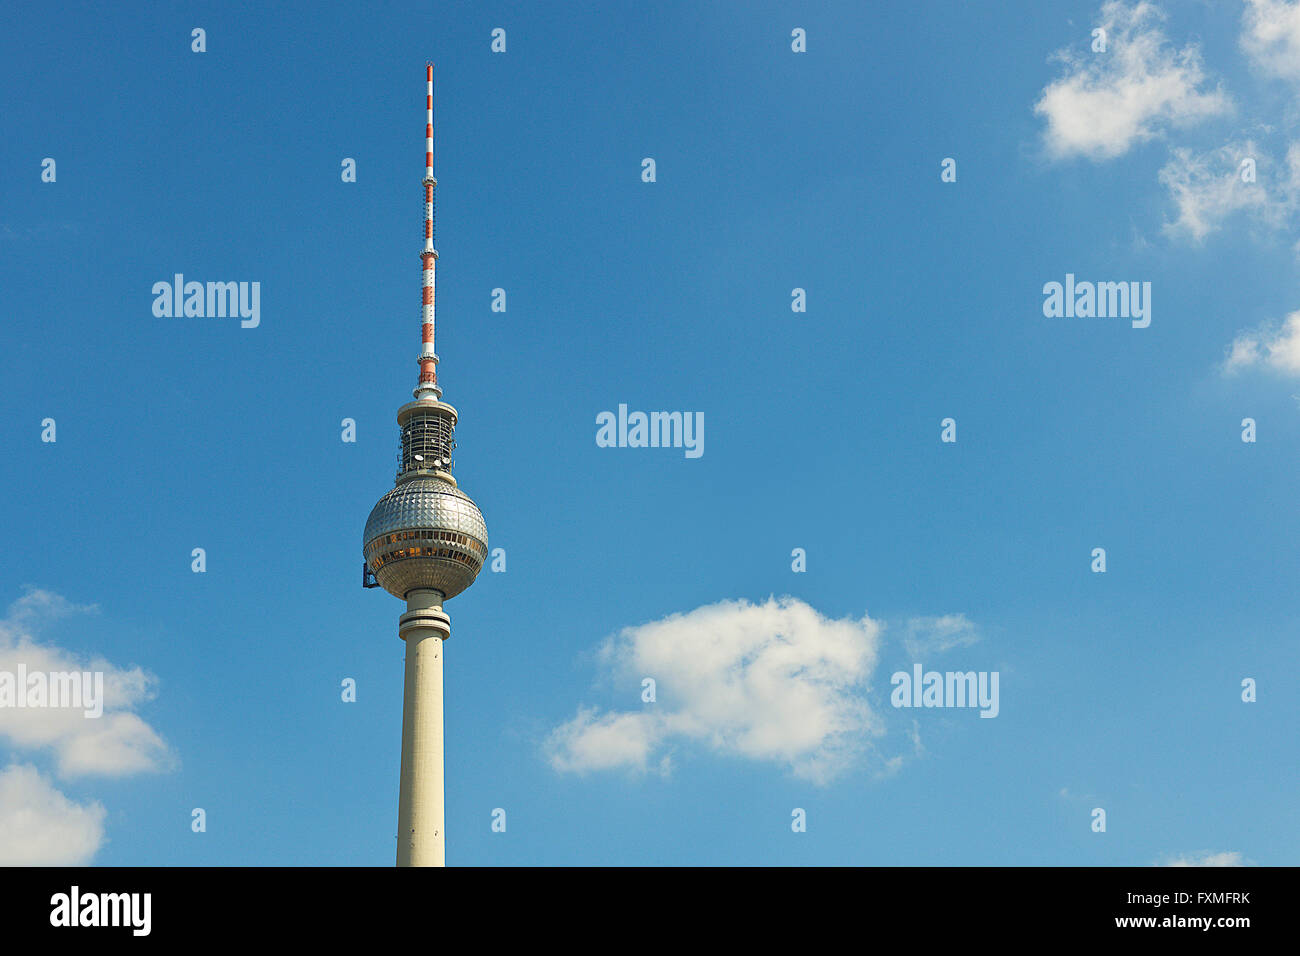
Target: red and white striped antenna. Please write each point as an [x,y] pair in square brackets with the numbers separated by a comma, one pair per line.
[428,386]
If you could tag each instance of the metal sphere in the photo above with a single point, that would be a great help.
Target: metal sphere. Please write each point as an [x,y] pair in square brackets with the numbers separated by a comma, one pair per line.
[425,533]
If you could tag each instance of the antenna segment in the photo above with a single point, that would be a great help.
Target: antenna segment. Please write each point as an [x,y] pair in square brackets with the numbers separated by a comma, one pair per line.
[428,386]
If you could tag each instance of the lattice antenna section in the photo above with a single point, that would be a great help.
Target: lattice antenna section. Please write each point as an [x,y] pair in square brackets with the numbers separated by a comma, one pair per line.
[428,444]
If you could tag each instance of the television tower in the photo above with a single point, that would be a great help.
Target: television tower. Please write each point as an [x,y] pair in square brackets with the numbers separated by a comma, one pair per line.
[425,542]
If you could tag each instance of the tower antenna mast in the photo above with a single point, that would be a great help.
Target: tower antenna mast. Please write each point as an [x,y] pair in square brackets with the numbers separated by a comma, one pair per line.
[428,385]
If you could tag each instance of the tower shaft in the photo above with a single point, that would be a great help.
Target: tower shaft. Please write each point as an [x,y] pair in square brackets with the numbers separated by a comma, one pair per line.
[420,836]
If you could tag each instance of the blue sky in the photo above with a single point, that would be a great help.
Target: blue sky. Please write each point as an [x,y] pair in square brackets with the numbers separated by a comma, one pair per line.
[775,170]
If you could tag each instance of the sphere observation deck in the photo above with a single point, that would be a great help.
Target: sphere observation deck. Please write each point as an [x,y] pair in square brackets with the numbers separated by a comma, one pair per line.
[425,533]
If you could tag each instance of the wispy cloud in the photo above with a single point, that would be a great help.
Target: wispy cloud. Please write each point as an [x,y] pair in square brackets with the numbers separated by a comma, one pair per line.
[1271,36]
[1105,103]
[38,232]
[925,636]
[37,607]
[1273,346]
[1207,858]
[1208,188]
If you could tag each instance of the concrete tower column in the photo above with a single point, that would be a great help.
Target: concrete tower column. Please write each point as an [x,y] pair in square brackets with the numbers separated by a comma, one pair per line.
[420,837]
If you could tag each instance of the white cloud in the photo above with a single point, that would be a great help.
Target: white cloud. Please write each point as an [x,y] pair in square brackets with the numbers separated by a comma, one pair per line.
[1107,102]
[1271,36]
[594,741]
[1206,858]
[39,826]
[775,682]
[934,635]
[116,743]
[1276,347]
